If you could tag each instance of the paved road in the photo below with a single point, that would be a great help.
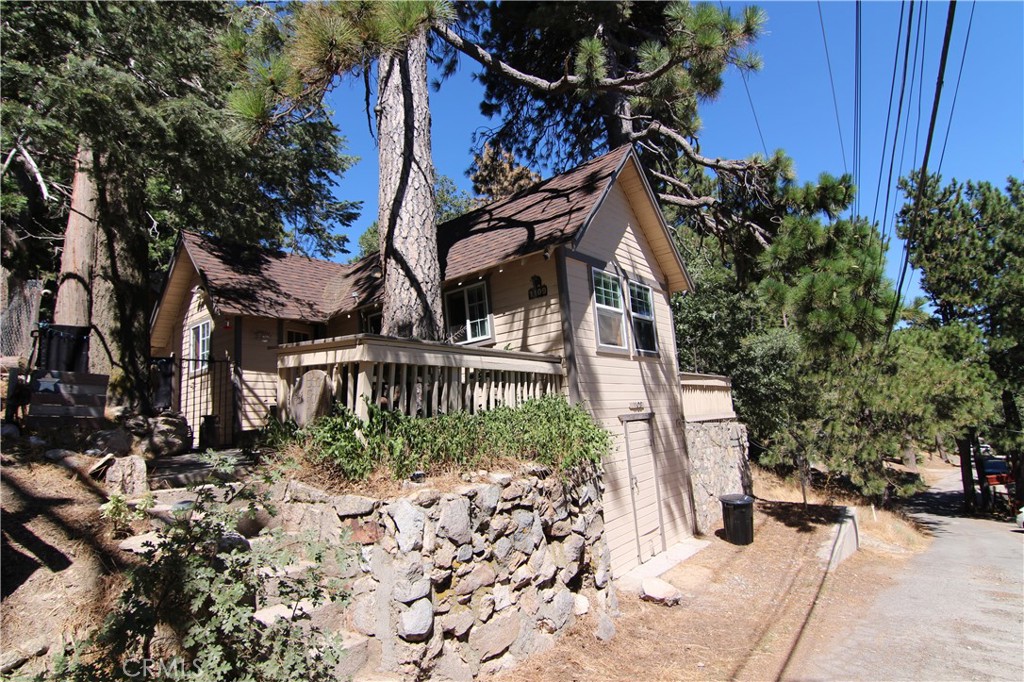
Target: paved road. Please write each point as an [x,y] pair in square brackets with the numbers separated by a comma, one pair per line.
[955,613]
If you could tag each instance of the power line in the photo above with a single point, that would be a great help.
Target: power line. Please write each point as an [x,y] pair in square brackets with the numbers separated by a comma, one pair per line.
[896,130]
[750,99]
[922,178]
[892,89]
[857,107]
[835,100]
[956,91]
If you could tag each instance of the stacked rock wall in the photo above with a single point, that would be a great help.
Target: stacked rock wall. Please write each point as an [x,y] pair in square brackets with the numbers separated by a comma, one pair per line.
[457,583]
[718,466]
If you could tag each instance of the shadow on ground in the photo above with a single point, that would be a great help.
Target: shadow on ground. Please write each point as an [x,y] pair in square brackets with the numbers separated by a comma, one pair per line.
[804,518]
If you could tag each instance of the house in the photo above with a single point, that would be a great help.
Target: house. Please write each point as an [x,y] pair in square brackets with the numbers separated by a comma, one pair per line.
[564,287]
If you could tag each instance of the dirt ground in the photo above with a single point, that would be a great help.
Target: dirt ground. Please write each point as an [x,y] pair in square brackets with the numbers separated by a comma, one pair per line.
[59,564]
[750,612]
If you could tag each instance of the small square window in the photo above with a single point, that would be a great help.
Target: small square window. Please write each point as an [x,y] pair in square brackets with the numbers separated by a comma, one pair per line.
[609,310]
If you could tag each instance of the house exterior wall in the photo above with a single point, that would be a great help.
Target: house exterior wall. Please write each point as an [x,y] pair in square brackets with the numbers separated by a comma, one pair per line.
[522,323]
[636,398]
[205,389]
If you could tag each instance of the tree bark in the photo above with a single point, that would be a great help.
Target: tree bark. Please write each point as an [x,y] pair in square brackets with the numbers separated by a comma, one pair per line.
[979,463]
[963,444]
[407,214]
[120,313]
[74,286]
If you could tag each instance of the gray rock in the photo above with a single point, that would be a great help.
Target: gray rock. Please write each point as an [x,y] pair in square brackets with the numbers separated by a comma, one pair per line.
[409,522]
[116,442]
[559,529]
[363,614]
[427,497]
[409,591]
[306,493]
[140,544]
[555,614]
[513,491]
[595,528]
[603,570]
[311,397]
[22,653]
[485,608]
[526,537]
[353,505]
[521,577]
[444,554]
[495,637]
[660,592]
[499,524]
[502,549]
[167,435]
[10,431]
[504,597]
[128,476]
[417,621]
[454,520]
[500,478]
[58,454]
[450,665]
[465,553]
[605,628]
[581,605]
[481,576]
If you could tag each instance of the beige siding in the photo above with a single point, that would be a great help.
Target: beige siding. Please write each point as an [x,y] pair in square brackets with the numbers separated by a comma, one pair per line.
[258,372]
[613,385]
[522,324]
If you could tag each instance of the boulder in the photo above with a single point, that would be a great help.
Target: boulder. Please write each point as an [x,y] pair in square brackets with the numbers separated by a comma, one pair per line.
[417,622]
[482,575]
[168,435]
[116,442]
[454,521]
[660,592]
[409,522]
[493,638]
[127,475]
[311,398]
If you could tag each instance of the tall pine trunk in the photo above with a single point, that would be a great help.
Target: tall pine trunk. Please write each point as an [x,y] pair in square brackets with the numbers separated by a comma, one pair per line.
[120,311]
[74,286]
[407,214]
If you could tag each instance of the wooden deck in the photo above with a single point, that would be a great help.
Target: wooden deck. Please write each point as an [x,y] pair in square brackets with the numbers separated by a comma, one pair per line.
[706,397]
[417,378]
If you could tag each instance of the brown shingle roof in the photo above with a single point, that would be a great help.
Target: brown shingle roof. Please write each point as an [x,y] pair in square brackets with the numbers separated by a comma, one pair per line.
[244,280]
[254,282]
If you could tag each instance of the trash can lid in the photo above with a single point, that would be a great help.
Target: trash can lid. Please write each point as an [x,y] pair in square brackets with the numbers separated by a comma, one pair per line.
[737,498]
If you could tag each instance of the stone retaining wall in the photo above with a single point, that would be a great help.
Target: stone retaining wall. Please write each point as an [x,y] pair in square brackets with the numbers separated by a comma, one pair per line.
[718,466]
[455,584]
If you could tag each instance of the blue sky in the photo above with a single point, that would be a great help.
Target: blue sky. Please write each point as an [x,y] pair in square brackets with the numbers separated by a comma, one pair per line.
[792,98]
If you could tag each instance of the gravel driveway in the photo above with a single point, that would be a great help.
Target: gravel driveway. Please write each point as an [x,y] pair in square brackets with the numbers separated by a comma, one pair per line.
[954,612]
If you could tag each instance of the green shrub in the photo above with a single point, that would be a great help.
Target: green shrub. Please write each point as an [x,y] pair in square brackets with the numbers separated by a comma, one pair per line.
[199,583]
[547,430]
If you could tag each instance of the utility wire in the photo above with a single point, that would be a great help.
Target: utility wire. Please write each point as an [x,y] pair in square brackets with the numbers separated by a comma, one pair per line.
[922,178]
[856,107]
[896,130]
[892,89]
[835,100]
[750,99]
[956,91]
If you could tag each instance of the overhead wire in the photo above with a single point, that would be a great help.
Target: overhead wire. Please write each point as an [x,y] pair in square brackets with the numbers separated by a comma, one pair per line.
[896,130]
[831,80]
[857,53]
[750,99]
[956,91]
[922,177]
[892,89]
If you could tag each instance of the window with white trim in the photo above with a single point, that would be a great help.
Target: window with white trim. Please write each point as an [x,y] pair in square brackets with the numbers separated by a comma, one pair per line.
[608,308]
[469,315]
[201,346]
[641,308]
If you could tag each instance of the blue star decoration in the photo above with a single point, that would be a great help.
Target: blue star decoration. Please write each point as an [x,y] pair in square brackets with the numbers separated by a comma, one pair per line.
[48,383]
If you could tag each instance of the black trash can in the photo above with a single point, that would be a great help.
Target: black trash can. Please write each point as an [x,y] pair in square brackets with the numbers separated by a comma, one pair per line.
[738,516]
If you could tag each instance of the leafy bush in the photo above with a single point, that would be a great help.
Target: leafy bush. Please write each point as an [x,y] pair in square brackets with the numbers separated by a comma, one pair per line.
[547,430]
[187,612]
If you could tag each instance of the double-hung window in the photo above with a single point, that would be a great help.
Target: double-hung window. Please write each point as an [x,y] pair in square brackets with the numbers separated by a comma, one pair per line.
[201,346]
[641,308]
[610,312]
[469,318]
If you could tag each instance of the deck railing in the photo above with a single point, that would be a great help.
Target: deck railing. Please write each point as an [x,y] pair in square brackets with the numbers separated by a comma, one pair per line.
[706,397]
[417,378]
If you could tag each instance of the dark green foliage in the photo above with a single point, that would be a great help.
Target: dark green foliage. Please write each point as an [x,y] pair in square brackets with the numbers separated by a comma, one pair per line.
[199,584]
[546,430]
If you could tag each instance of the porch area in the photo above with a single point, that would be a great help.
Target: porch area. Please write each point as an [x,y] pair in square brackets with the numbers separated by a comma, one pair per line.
[417,378]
